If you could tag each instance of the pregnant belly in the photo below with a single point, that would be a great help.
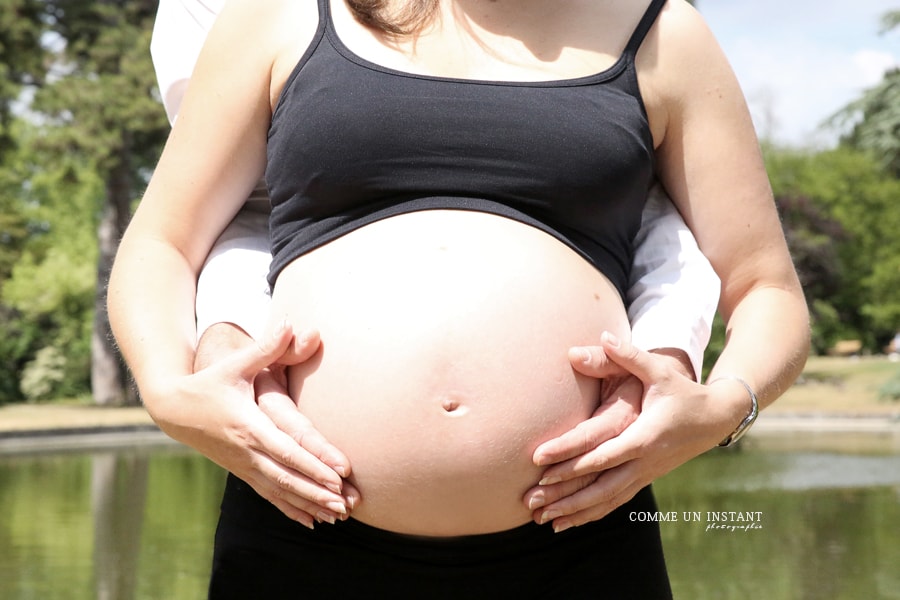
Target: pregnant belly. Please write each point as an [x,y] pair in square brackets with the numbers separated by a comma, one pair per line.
[443,362]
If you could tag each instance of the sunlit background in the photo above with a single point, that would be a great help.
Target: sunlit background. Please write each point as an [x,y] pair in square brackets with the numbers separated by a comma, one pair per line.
[799,62]
[80,130]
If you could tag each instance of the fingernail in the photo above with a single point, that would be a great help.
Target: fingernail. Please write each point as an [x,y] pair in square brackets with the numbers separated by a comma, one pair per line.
[582,354]
[550,480]
[337,507]
[307,524]
[340,470]
[549,515]
[610,339]
[306,337]
[282,326]
[334,487]
[561,526]
[536,501]
[326,517]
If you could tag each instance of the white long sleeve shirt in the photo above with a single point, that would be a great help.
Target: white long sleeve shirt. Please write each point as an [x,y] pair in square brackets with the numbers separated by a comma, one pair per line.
[673,291]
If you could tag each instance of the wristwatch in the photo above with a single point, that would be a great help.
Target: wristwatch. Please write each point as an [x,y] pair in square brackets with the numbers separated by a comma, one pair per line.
[744,425]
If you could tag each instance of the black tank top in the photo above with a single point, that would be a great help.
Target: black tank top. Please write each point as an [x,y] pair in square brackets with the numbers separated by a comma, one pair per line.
[352,142]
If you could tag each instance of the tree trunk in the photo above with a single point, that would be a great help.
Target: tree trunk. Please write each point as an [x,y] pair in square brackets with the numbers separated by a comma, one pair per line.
[109,378]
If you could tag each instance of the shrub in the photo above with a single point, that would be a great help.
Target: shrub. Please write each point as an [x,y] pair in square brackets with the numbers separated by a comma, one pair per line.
[890,391]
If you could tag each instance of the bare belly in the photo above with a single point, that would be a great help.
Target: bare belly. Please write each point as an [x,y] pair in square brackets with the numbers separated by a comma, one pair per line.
[443,362]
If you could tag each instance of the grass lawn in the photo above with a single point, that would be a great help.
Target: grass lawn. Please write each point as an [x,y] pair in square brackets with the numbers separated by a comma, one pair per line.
[845,386]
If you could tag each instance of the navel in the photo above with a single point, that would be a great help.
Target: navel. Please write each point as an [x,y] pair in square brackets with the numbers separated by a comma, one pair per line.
[453,405]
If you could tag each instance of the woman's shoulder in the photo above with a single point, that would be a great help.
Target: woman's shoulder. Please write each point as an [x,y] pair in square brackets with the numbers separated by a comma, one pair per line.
[682,34]
[679,52]
[268,22]
[266,37]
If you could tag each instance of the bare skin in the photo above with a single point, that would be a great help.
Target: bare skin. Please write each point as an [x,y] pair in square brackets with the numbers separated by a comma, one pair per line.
[706,151]
[266,464]
[286,460]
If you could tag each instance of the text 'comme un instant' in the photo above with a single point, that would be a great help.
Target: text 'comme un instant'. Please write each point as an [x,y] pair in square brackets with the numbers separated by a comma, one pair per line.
[727,520]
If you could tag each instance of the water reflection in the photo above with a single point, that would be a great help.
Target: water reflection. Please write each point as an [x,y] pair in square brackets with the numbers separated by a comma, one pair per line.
[138,524]
[828,525]
[112,525]
[118,492]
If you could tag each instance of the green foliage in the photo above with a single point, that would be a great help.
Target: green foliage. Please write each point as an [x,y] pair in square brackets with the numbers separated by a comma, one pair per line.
[715,346]
[21,335]
[890,20]
[15,228]
[811,236]
[839,210]
[43,374]
[104,107]
[857,186]
[94,132]
[21,58]
[828,326]
[47,295]
[873,120]
[104,111]
[890,391]
[20,338]
[57,292]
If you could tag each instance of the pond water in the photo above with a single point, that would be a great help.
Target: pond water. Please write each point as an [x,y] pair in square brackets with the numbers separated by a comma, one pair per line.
[771,520]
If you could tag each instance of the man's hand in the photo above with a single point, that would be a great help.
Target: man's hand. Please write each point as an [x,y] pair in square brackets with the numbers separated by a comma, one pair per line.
[254,430]
[621,404]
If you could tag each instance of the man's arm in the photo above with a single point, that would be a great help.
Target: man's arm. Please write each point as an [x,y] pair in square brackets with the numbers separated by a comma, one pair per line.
[179,31]
[232,287]
[673,291]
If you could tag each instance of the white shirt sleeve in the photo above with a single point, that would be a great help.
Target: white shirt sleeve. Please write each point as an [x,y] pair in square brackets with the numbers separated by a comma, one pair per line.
[178,35]
[232,287]
[673,290]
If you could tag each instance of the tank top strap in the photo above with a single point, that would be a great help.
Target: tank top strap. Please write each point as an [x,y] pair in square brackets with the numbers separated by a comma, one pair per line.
[644,26]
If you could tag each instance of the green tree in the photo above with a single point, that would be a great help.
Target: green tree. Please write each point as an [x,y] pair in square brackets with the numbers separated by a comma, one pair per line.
[79,132]
[21,68]
[890,20]
[21,58]
[50,289]
[874,118]
[100,107]
[840,214]
[877,127]
[16,343]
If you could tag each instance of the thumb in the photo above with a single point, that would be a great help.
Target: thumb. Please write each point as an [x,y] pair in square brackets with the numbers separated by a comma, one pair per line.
[250,360]
[634,360]
[301,348]
[593,362]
